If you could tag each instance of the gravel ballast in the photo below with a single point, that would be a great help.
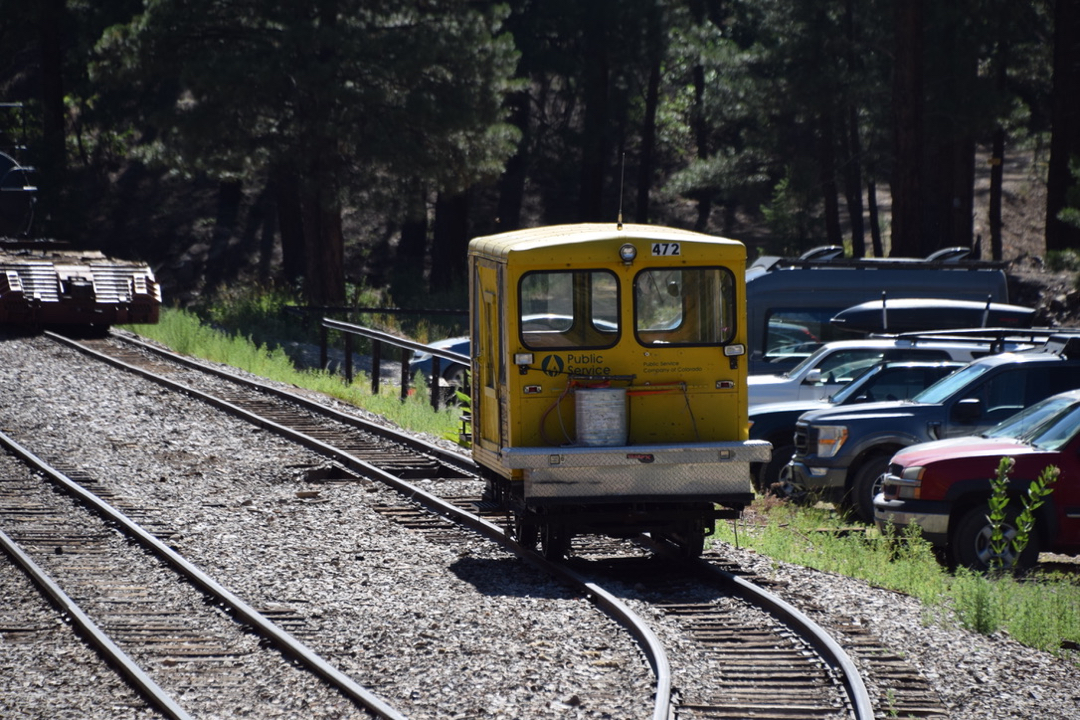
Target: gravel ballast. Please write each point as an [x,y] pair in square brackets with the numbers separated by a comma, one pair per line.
[439,630]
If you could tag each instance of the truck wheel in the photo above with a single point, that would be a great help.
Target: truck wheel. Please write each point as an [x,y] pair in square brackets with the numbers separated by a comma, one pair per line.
[769,473]
[969,542]
[866,485]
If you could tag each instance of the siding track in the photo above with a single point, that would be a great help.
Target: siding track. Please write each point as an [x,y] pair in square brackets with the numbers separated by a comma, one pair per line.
[150,613]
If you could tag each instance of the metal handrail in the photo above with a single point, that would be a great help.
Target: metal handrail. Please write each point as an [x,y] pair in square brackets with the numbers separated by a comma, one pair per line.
[380,338]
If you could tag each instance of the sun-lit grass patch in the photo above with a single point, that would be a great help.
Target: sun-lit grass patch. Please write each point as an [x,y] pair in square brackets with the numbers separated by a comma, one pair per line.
[1041,610]
[185,333]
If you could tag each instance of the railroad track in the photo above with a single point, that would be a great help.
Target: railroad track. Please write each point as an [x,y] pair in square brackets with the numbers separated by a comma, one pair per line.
[167,627]
[835,689]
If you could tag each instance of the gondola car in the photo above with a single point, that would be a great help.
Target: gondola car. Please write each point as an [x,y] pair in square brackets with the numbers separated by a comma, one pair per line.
[628,412]
[47,283]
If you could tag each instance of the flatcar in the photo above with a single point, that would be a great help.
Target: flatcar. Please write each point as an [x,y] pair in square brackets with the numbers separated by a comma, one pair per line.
[625,411]
[48,283]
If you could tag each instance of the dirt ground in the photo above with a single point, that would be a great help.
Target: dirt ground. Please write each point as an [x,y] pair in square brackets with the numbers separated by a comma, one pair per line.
[1054,294]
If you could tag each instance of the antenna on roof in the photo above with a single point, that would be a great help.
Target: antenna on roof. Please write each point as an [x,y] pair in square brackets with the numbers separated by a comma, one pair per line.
[622,177]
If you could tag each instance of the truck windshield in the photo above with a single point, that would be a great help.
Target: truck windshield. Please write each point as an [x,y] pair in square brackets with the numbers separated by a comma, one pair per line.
[1030,419]
[950,384]
[1059,430]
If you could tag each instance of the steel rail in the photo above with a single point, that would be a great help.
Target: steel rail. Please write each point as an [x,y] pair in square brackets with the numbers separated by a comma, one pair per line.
[240,609]
[615,608]
[831,651]
[457,459]
[97,638]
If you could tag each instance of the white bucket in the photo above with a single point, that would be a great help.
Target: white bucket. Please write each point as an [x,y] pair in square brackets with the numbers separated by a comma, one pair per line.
[600,414]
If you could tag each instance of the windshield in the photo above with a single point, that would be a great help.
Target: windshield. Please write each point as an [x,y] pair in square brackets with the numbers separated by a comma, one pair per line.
[1029,419]
[569,309]
[950,384]
[864,379]
[684,306]
[1056,432]
[810,361]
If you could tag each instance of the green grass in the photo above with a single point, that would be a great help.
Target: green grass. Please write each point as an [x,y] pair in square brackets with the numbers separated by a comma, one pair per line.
[187,334]
[1040,610]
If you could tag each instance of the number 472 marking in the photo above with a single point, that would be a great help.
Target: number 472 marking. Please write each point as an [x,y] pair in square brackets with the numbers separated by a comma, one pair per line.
[665,249]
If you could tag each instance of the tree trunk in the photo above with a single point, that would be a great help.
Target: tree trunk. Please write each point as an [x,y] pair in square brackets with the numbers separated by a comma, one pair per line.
[648,129]
[827,176]
[54,155]
[412,248]
[875,221]
[950,190]
[594,132]
[852,147]
[324,275]
[907,127]
[222,263]
[997,162]
[290,222]
[1065,121]
[512,182]
[450,247]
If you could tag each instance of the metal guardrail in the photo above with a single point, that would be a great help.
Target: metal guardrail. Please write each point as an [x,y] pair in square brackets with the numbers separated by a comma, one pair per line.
[379,339]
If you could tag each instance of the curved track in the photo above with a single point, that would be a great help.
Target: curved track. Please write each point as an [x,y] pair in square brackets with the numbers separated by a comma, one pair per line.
[362,448]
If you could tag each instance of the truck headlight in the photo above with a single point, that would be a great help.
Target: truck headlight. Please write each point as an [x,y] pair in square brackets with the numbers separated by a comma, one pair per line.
[830,438]
[909,483]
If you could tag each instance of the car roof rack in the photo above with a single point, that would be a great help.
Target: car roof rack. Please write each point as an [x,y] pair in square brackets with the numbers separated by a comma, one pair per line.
[1065,338]
[1064,344]
[832,256]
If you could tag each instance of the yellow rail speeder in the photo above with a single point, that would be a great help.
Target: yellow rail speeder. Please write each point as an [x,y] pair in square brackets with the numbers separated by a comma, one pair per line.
[609,381]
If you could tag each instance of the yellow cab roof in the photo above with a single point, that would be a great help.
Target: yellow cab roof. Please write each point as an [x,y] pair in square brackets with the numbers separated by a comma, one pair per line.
[552,236]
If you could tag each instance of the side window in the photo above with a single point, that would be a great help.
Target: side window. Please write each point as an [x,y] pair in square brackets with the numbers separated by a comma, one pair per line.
[899,384]
[1002,395]
[797,332]
[1064,376]
[917,354]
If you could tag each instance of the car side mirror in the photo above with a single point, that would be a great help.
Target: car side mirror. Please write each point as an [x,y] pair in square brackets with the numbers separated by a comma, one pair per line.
[967,410]
[813,377]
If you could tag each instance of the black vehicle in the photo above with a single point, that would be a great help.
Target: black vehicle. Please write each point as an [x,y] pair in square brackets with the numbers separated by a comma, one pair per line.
[842,453]
[890,380]
[783,294]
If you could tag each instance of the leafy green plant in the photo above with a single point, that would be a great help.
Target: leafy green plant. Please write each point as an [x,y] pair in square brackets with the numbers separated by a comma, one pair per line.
[1032,501]
[1067,259]
[999,503]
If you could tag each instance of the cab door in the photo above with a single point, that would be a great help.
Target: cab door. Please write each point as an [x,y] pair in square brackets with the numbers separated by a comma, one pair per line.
[488,358]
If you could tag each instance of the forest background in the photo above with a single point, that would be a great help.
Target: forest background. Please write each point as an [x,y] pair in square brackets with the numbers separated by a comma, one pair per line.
[339,143]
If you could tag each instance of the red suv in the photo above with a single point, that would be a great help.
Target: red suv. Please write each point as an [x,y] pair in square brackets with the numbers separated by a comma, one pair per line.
[943,486]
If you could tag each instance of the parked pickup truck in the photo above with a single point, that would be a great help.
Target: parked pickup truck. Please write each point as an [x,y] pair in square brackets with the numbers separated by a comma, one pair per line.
[944,486]
[889,380]
[842,453]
